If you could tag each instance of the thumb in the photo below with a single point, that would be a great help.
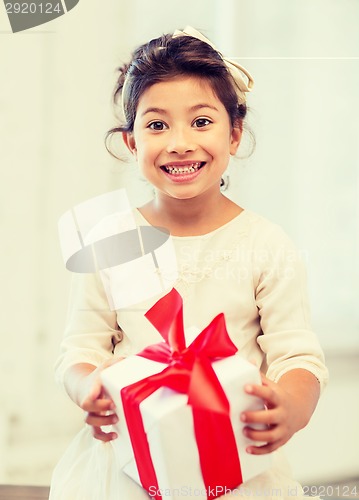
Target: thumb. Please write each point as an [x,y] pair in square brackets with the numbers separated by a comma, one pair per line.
[96,390]
[265,380]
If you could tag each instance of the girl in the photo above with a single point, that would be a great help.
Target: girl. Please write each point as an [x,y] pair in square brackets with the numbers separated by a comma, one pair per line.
[184,108]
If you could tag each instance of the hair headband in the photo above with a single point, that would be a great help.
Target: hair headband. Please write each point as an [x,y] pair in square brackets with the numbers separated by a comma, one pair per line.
[236,70]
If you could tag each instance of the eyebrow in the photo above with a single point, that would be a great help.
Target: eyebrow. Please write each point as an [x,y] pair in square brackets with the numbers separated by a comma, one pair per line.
[204,105]
[154,110]
[164,112]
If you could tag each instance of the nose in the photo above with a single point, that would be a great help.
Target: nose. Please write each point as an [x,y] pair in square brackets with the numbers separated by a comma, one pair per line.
[180,141]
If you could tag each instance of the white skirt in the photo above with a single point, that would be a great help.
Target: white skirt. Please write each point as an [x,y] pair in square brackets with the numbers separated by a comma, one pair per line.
[89,470]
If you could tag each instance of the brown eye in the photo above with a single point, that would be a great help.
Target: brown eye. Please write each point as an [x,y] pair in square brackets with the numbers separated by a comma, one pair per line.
[201,122]
[158,125]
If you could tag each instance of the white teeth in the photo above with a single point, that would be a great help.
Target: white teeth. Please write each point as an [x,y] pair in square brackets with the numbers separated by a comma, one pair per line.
[192,167]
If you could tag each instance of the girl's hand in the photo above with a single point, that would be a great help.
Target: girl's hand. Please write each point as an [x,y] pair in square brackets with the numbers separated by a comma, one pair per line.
[98,406]
[282,417]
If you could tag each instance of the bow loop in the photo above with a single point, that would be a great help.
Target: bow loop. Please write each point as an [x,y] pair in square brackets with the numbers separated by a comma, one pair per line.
[170,326]
[214,340]
[237,71]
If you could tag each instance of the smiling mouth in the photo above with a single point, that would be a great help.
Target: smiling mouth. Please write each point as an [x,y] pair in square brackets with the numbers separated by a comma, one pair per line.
[183,169]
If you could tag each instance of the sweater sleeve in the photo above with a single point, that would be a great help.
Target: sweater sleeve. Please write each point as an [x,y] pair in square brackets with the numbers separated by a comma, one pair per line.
[91,328]
[281,298]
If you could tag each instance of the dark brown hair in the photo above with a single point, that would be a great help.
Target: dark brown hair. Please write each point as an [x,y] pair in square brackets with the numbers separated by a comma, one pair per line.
[167,57]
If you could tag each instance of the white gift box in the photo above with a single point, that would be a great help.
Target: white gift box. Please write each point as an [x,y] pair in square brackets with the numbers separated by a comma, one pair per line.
[168,423]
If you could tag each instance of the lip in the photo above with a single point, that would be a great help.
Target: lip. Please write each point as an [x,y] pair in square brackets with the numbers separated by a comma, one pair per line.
[182,177]
[185,176]
[182,163]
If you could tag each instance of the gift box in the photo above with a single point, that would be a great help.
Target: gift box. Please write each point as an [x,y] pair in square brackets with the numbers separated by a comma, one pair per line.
[179,428]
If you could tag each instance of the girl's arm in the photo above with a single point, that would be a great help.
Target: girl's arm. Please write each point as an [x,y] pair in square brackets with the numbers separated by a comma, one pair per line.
[86,349]
[290,404]
[294,361]
[83,384]
[281,296]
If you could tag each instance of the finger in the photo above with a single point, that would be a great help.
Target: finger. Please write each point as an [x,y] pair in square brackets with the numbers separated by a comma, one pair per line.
[266,448]
[97,420]
[268,394]
[99,434]
[96,390]
[265,417]
[268,435]
[98,406]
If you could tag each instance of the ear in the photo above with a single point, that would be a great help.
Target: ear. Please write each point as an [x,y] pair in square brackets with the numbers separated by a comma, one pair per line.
[235,140]
[129,140]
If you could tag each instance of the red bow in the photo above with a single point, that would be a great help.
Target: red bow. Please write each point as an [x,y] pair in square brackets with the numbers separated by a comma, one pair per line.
[189,371]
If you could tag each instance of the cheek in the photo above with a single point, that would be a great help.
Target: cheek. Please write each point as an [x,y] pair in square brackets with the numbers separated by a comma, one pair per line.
[219,149]
[146,160]
[149,151]
[141,149]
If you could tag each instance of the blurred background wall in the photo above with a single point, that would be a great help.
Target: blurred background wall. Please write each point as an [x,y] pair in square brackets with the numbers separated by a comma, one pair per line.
[55,106]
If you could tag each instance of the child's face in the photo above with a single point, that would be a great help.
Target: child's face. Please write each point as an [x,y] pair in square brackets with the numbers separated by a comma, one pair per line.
[182,137]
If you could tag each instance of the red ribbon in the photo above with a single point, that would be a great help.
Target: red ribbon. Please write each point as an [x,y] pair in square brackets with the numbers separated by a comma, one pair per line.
[189,371]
